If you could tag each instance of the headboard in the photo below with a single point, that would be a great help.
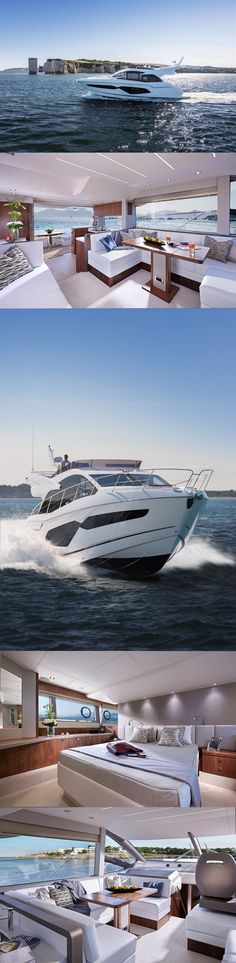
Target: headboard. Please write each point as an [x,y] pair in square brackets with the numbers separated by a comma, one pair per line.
[200,734]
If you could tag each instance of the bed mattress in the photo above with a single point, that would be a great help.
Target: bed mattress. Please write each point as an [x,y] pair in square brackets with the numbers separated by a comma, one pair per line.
[140,786]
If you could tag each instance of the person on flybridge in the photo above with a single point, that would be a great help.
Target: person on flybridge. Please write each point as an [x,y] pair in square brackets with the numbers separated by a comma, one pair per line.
[65,464]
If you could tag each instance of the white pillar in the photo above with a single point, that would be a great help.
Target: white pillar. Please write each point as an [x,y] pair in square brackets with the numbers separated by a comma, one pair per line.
[223,204]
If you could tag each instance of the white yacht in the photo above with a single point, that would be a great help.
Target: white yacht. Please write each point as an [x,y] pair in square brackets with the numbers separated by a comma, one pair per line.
[115,514]
[134,83]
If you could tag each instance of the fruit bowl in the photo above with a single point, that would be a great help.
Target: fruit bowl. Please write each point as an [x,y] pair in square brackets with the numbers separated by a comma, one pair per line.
[153,240]
[124,889]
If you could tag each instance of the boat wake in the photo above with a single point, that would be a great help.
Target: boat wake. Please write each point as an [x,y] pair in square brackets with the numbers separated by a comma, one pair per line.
[209,97]
[199,552]
[27,551]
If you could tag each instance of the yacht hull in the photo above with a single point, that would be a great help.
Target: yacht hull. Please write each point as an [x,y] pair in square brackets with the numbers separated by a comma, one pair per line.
[136,534]
[170,93]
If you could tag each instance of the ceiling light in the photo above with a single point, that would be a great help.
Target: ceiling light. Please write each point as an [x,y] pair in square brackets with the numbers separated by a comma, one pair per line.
[164,161]
[89,170]
[213,155]
[197,172]
[112,161]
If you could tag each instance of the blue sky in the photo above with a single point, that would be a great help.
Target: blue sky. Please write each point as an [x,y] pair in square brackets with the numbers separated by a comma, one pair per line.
[202,32]
[145,384]
[29,844]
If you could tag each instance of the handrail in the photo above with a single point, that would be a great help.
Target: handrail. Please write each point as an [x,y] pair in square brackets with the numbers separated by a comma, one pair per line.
[70,930]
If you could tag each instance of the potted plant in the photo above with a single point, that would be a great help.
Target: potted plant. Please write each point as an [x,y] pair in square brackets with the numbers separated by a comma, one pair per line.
[19,719]
[49,231]
[50,721]
[15,224]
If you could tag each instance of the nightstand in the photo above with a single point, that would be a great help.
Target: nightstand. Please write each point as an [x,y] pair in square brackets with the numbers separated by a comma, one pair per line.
[220,762]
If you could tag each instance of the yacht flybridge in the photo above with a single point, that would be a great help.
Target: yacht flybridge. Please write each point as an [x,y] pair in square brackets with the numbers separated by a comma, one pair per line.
[134,83]
[116,514]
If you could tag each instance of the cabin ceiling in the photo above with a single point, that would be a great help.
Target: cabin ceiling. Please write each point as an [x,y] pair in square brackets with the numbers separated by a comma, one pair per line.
[125,676]
[81,179]
[127,822]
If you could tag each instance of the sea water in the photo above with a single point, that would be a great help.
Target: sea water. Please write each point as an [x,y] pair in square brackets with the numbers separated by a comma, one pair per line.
[49,113]
[50,600]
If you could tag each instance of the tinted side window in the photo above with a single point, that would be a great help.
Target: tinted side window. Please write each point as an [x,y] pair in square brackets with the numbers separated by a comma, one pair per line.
[62,535]
[112,518]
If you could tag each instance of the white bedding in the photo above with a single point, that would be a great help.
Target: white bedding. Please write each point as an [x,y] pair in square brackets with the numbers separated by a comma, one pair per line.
[82,773]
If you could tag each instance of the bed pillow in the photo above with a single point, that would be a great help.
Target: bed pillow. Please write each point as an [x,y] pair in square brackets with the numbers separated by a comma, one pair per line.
[169,736]
[13,265]
[185,735]
[108,242]
[219,250]
[139,734]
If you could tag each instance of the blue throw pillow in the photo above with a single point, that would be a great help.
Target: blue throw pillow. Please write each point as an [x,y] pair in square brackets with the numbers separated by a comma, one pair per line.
[117,238]
[152,884]
[108,242]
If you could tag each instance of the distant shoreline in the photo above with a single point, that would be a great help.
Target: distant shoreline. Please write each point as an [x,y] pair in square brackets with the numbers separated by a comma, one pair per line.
[83,66]
[23,491]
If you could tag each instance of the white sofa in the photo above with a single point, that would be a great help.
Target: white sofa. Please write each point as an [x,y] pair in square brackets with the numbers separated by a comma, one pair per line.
[230,948]
[100,943]
[111,266]
[219,290]
[154,911]
[39,289]
[208,929]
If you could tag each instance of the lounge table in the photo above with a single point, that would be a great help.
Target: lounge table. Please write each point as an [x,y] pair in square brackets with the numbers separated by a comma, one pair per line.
[117,902]
[161,284]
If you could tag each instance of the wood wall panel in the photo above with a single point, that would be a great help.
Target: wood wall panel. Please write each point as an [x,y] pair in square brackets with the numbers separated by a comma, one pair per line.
[37,755]
[108,210]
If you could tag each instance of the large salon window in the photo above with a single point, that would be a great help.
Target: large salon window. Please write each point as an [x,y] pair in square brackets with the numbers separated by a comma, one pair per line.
[181,848]
[233,207]
[61,219]
[67,710]
[112,223]
[196,213]
[32,859]
[116,857]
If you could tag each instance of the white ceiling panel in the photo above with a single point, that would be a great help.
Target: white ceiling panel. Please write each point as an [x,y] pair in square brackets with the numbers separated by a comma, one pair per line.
[131,822]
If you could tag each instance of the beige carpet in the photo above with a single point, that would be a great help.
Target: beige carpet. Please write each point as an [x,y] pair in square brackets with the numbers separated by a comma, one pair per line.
[87,291]
[168,945]
[40,788]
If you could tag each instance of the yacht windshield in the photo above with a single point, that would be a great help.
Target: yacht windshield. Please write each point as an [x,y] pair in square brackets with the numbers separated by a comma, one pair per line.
[129,478]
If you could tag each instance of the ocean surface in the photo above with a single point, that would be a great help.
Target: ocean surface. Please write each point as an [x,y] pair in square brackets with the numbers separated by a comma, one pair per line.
[47,601]
[43,113]
[13,870]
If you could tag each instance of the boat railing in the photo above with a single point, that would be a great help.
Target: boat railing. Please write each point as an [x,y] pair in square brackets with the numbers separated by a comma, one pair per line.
[194,480]
[63,496]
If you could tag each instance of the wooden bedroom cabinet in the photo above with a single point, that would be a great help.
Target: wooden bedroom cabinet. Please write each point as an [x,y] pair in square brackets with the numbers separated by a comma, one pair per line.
[44,751]
[220,762]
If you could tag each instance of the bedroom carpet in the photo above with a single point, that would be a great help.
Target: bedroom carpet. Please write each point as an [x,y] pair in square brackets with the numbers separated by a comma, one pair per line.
[40,788]
[87,291]
[168,945]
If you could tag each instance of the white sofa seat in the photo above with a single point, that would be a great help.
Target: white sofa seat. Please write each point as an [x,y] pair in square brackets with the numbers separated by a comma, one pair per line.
[230,948]
[218,292]
[39,289]
[204,926]
[111,264]
[101,943]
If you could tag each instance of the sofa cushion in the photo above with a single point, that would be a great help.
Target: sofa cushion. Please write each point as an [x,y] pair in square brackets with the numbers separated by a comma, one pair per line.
[108,242]
[115,946]
[150,908]
[114,262]
[219,250]
[13,265]
[205,926]
[218,292]
[154,884]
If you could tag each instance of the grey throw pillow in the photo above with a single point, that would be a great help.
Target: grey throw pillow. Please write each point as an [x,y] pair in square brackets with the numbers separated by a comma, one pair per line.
[13,265]
[219,250]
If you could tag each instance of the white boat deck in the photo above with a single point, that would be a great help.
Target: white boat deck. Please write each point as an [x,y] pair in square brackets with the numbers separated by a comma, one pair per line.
[168,945]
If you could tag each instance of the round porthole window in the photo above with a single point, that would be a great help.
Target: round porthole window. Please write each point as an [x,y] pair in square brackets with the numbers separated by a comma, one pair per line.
[106,715]
[86,712]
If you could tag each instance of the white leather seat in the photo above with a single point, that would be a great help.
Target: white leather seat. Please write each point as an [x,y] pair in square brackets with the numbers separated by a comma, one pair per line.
[230,949]
[39,288]
[207,927]
[218,292]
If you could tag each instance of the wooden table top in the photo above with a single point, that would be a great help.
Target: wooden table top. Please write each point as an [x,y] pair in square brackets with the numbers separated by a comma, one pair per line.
[197,256]
[105,898]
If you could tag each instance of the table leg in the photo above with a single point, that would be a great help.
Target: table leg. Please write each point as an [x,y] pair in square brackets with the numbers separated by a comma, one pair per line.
[160,283]
[119,921]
